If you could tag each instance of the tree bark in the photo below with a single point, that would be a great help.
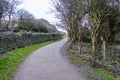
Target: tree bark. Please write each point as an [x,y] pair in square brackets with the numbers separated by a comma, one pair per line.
[104,51]
[93,52]
[80,40]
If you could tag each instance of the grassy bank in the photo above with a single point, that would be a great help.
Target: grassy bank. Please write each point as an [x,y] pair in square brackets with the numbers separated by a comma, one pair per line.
[98,74]
[11,61]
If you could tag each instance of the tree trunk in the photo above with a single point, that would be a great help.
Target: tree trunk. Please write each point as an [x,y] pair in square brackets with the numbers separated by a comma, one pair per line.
[70,44]
[79,35]
[93,52]
[9,22]
[80,41]
[104,51]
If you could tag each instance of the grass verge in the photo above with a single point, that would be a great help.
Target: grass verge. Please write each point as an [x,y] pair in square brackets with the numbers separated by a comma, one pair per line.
[64,36]
[11,61]
[78,60]
[106,74]
[97,74]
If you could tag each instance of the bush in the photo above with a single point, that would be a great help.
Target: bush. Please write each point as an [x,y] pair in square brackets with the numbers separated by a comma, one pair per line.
[10,40]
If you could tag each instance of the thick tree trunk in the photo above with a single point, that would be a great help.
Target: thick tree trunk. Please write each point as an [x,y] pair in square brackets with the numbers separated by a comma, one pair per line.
[70,44]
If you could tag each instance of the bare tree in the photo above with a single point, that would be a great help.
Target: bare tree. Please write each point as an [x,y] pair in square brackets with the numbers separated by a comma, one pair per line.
[72,12]
[99,14]
[103,20]
[11,9]
[25,20]
[3,9]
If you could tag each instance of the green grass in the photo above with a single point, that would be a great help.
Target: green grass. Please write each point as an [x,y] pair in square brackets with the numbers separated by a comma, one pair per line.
[106,74]
[11,61]
[78,60]
[100,74]
[64,36]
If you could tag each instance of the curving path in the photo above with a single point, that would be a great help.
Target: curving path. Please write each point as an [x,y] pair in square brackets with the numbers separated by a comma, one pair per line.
[47,63]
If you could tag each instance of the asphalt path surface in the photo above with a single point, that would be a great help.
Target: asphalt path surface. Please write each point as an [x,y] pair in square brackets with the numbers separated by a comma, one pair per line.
[47,63]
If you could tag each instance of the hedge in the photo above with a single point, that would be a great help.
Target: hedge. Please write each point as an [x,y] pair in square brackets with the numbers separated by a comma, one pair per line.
[10,40]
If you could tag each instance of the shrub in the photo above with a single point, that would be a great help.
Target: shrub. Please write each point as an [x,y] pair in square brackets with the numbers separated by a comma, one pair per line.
[11,40]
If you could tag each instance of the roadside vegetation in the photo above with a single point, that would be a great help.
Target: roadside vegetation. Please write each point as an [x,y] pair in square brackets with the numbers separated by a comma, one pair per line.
[12,40]
[9,62]
[93,30]
[21,34]
[64,36]
[91,73]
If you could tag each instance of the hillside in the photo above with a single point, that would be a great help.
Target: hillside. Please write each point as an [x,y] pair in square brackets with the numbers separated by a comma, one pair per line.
[45,25]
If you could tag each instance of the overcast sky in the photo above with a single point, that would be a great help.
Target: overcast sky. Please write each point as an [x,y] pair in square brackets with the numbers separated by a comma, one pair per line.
[40,9]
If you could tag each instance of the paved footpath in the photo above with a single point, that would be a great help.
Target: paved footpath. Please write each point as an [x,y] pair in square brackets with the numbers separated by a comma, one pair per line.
[47,63]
